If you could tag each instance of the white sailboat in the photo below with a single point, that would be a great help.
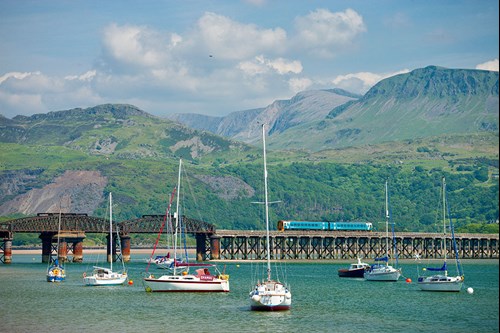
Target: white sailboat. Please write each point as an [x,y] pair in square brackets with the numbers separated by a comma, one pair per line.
[269,294]
[168,262]
[56,271]
[442,281]
[179,279]
[103,276]
[381,270]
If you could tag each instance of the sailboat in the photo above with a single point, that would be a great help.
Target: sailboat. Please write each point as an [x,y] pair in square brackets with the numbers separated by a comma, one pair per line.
[168,262]
[269,294]
[441,281]
[56,272]
[381,270]
[103,276]
[179,279]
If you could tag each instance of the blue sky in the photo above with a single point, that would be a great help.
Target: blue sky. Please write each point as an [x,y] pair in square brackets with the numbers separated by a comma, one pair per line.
[214,57]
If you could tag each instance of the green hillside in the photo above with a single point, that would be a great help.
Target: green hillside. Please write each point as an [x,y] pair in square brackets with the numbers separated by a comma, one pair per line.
[332,185]
[426,102]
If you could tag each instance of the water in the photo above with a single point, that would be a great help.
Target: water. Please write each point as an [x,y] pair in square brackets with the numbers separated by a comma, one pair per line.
[322,302]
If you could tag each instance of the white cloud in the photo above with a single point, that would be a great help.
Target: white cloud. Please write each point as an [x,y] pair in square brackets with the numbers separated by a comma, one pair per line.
[29,93]
[261,65]
[491,65]
[283,66]
[88,76]
[324,32]
[362,81]
[138,45]
[299,84]
[16,75]
[228,39]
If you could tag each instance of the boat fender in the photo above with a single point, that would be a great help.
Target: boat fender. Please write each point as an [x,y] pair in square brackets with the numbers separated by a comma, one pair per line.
[256,298]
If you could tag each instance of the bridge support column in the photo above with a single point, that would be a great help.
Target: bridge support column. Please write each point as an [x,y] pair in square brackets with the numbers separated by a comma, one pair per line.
[125,243]
[7,251]
[111,252]
[63,250]
[201,247]
[46,238]
[78,250]
[215,247]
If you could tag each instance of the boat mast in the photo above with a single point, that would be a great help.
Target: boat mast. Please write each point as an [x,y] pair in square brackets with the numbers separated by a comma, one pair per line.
[58,232]
[177,214]
[386,224]
[444,225]
[266,201]
[110,232]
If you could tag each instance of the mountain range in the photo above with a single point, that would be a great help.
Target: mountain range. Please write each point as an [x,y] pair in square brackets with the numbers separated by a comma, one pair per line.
[330,153]
[426,102]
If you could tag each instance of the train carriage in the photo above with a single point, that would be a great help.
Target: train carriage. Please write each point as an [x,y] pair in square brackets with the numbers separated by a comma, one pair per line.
[325,226]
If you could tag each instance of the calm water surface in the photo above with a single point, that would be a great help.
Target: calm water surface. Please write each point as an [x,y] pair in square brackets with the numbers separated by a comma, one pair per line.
[322,302]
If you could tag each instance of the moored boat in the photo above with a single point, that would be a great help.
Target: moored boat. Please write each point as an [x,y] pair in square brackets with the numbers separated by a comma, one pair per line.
[56,271]
[355,270]
[269,294]
[381,270]
[102,276]
[441,281]
[178,278]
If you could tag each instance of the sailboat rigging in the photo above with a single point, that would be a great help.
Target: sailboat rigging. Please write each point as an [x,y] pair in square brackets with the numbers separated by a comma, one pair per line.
[103,276]
[179,279]
[56,271]
[269,295]
[441,281]
[381,270]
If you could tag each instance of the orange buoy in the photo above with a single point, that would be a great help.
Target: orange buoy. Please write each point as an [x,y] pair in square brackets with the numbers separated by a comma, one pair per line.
[130,282]
[408,280]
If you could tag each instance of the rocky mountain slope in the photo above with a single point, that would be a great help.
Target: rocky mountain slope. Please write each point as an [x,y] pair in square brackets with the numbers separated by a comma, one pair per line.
[280,116]
[426,102]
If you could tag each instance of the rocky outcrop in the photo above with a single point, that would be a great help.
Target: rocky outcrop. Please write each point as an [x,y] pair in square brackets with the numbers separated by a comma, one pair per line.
[72,192]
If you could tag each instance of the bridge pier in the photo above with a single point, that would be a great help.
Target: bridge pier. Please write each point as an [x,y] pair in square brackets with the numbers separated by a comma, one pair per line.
[78,250]
[6,251]
[201,247]
[46,238]
[125,247]
[111,251]
[215,247]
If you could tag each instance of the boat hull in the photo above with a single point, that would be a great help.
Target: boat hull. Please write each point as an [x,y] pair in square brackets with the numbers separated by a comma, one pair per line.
[185,283]
[104,277]
[56,274]
[351,273]
[271,303]
[93,281]
[55,278]
[270,296]
[386,273]
[440,283]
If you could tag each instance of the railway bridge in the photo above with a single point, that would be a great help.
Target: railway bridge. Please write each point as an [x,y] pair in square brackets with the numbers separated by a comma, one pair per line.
[212,244]
[74,227]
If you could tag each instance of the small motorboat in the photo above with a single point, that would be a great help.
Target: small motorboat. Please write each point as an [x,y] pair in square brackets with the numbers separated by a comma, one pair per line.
[356,270]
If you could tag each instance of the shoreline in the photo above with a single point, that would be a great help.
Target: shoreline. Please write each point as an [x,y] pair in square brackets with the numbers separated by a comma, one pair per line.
[192,251]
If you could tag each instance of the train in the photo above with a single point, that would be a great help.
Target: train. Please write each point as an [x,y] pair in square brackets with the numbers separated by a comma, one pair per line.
[326,226]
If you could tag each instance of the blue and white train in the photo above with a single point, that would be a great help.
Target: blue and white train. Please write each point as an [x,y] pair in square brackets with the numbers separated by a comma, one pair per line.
[327,226]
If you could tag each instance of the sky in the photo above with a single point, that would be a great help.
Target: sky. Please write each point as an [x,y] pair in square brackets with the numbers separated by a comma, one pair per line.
[214,57]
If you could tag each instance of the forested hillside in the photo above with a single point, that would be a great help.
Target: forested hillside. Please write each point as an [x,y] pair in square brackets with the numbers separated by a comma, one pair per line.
[220,190]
